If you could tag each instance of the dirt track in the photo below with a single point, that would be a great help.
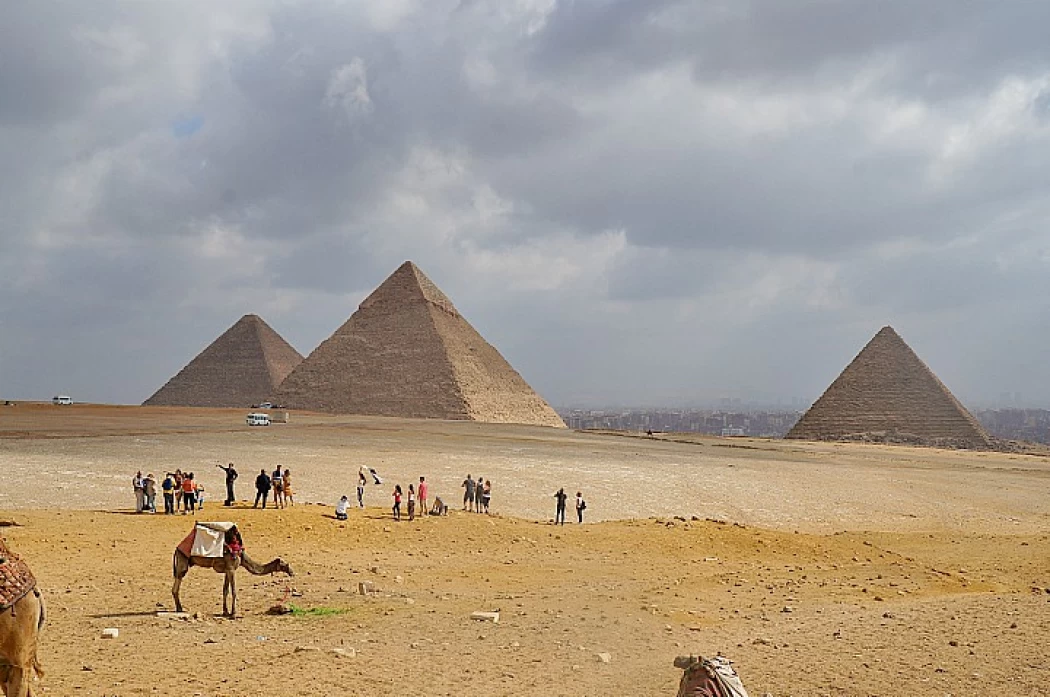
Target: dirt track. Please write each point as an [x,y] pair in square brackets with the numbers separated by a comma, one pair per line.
[947,597]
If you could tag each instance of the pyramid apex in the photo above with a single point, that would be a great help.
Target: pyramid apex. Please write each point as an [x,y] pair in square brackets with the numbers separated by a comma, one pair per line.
[408,284]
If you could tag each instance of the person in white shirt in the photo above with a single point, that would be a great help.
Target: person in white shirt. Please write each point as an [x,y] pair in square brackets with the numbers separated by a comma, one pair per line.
[340,508]
[581,506]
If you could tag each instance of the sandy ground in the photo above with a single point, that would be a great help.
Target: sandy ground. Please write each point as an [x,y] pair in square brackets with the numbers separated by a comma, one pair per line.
[842,570]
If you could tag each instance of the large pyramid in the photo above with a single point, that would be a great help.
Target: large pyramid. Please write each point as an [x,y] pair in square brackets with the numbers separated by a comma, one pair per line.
[408,352]
[241,368]
[888,394]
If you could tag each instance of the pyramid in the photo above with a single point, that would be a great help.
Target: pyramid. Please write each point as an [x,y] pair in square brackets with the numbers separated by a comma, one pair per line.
[241,368]
[408,352]
[888,394]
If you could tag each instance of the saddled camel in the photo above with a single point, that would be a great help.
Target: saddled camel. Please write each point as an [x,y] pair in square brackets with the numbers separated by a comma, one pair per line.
[20,625]
[708,677]
[227,564]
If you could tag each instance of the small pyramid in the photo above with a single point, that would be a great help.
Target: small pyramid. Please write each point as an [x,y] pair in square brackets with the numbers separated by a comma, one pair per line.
[888,394]
[241,368]
[408,352]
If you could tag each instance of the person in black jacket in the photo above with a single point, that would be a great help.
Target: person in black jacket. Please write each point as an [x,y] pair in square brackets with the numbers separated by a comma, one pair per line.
[262,488]
[231,477]
[559,512]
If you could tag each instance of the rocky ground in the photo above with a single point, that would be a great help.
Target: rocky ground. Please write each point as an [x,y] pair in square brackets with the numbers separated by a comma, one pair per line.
[837,570]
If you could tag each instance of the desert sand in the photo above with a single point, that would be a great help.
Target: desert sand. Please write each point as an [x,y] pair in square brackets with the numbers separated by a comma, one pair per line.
[825,570]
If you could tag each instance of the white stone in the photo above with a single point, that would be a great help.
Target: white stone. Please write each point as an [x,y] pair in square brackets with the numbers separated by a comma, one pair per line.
[110,633]
[485,617]
[605,657]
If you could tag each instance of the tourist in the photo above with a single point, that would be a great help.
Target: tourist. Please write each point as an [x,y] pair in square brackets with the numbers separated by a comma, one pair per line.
[411,502]
[468,493]
[277,480]
[188,490]
[439,507]
[423,495]
[486,495]
[149,488]
[231,477]
[168,487]
[198,496]
[479,491]
[397,502]
[581,506]
[361,481]
[178,489]
[340,508]
[287,479]
[262,488]
[559,512]
[137,484]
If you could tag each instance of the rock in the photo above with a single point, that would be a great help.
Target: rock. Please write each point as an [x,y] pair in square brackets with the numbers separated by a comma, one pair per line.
[399,579]
[345,653]
[482,616]
[303,649]
[410,601]
[110,633]
[787,608]
[605,657]
[366,588]
[87,668]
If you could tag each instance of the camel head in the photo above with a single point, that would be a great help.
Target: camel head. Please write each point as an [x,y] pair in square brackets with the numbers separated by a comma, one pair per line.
[283,567]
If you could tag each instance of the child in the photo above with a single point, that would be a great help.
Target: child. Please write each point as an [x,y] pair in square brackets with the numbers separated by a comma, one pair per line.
[361,489]
[411,503]
[340,508]
[288,499]
[397,502]
[581,506]
[199,497]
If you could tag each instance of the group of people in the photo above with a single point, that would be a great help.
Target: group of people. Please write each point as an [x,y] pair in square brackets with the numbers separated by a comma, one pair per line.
[180,490]
[280,483]
[559,511]
[423,496]
[477,494]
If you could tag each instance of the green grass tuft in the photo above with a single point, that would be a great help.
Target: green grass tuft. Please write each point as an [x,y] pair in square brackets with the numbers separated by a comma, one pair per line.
[316,611]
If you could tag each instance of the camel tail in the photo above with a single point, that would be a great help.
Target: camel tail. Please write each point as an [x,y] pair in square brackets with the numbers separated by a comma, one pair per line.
[37,668]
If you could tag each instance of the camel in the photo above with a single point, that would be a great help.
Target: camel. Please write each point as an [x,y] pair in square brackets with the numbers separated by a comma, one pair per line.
[708,677]
[20,625]
[227,564]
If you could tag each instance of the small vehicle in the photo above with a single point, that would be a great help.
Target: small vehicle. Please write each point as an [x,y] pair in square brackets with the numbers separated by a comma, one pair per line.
[266,405]
[255,419]
[62,399]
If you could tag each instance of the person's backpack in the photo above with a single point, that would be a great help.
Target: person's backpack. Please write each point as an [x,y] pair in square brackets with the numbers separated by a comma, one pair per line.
[583,505]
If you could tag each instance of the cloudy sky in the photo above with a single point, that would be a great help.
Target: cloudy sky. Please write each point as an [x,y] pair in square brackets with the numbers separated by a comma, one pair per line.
[638,202]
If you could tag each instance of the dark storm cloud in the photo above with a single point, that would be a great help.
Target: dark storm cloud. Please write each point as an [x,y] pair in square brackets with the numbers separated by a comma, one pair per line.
[734,195]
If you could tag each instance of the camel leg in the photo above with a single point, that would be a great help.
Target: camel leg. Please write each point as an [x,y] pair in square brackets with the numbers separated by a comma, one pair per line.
[233,595]
[175,593]
[225,592]
[17,684]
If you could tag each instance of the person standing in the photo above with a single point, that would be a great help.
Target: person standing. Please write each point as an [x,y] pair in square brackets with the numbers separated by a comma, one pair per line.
[423,491]
[289,500]
[486,495]
[468,493]
[231,477]
[397,502]
[262,488]
[411,502]
[137,484]
[168,488]
[361,481]
[188,494]
[178,489]
[149,488]
[559,512]
[479,491]
[277,481]
[581,506]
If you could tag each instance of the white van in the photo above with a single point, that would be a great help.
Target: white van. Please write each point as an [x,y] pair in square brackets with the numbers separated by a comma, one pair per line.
[61,399]
[258,419]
